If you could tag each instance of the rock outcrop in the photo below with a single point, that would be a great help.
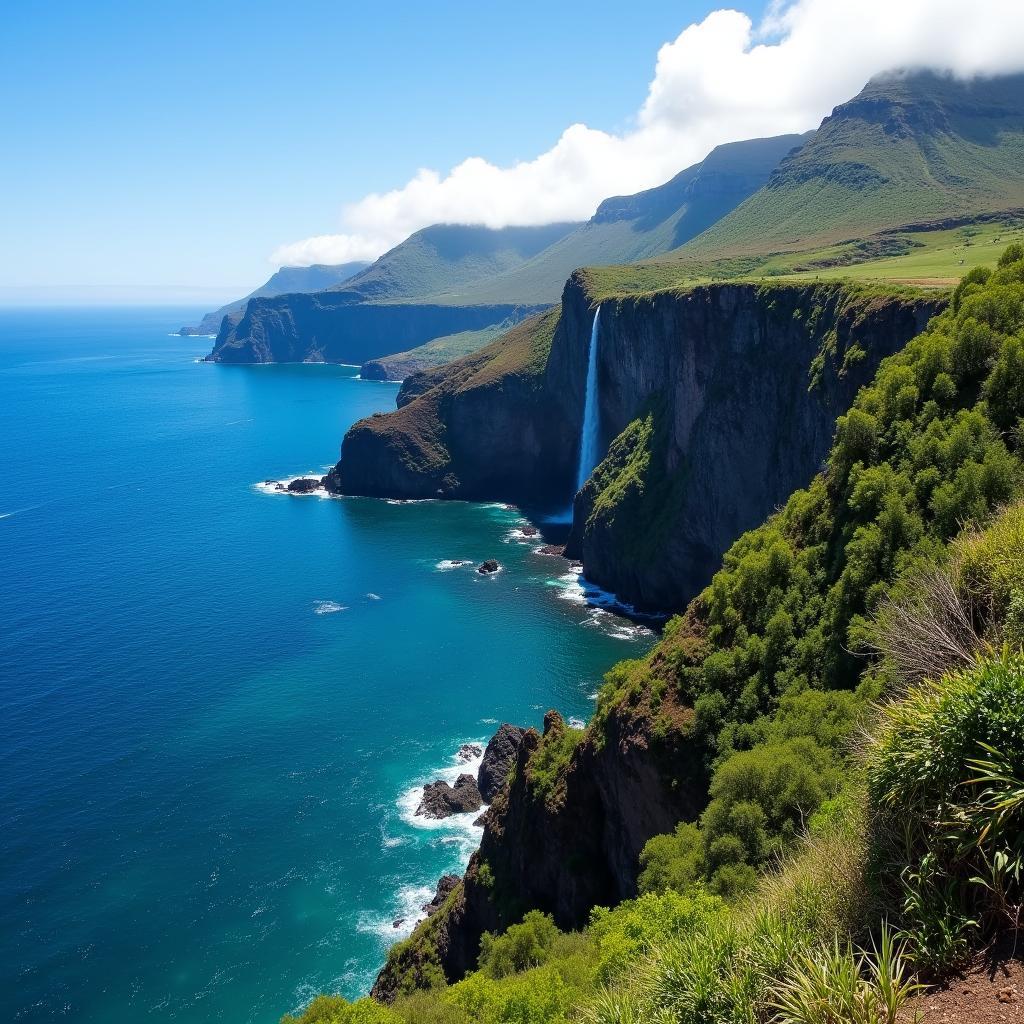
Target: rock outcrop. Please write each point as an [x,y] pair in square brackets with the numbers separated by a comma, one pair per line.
[487,567]
[445,885]
[715,404]
[567,846]
[441,800]
[305,485]
[499,757]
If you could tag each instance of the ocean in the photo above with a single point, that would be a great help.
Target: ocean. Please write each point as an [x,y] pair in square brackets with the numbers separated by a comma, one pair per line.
[218,703]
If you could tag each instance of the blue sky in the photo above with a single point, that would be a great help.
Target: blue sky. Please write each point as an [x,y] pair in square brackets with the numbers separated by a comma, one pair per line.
[178,151]
[153,146]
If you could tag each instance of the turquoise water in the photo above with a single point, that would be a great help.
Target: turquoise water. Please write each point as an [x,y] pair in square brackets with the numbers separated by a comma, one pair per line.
[217,702]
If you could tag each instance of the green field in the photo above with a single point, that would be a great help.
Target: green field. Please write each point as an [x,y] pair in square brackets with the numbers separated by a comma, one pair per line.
[937,259]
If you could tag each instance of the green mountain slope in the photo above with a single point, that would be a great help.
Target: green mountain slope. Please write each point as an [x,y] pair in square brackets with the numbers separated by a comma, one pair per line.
[628,228]
[287,280]
[442,259]
[906,150]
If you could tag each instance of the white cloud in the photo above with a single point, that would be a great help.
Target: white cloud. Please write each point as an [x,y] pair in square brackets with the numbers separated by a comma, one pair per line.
[721,80]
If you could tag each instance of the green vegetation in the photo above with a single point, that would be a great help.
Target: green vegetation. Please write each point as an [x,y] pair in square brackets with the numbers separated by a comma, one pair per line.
[913,149]
[900,853]
[546,767]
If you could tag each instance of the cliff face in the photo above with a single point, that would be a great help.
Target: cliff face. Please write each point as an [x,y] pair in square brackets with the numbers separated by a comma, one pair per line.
[563,848]
[328,327]
[493,425]
[715,404]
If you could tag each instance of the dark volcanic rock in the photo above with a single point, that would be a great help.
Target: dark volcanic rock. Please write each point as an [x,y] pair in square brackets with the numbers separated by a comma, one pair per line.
[441,800]
[499,757]
[557,550]
[488,567]
[469,751]
[444,886]
[529,531]
[305,485]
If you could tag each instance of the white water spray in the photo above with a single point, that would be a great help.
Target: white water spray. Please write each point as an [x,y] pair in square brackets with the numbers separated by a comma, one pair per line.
[590,438]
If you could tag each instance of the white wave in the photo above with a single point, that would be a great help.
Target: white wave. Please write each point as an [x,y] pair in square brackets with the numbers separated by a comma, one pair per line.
[458,823]
[576,588]
[452,563]
[281,486]
[328,607]
[405,913]
[519,536]
[373,597]
[488,721]
[577,723]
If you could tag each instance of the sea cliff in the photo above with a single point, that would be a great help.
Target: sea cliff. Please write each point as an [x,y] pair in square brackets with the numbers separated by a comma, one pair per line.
[329,327]
[716,402]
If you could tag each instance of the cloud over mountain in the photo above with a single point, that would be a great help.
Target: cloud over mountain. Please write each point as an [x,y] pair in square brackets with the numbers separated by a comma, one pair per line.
[720,80]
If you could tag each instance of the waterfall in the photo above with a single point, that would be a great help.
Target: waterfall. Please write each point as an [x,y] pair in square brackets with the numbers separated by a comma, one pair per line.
[590,437]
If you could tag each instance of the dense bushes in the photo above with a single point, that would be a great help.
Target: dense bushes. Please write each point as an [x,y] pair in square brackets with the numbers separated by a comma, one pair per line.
[775,645]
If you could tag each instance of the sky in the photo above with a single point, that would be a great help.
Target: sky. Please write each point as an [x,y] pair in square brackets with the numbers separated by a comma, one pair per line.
[180,152]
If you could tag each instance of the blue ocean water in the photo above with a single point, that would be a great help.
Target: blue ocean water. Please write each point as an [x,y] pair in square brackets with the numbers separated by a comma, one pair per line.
[217,702]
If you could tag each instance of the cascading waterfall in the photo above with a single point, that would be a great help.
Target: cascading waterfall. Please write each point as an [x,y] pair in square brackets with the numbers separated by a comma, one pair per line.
[590,438]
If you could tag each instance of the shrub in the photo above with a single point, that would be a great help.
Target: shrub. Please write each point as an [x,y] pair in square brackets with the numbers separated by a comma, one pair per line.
[834,985]
[336,1010]
[944,783]
[521,946]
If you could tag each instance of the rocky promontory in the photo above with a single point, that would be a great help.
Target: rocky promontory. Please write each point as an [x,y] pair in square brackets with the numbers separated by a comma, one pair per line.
[498,759]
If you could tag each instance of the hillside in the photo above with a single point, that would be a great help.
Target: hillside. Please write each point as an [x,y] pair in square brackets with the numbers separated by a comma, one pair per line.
[628,228]
[912,149]
[442,260]
[286,280]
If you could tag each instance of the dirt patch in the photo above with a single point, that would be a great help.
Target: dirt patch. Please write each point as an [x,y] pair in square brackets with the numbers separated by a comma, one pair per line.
[988,994]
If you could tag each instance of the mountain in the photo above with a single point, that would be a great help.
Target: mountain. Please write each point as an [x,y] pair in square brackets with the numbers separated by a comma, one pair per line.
[628,228]
[443,259]
[908,149]
[288,279]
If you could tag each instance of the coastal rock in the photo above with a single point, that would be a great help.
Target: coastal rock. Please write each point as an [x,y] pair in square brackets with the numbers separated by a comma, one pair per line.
[469,752]
[444,887]
[572,853]
[487,567]
[305,485]
[529,531]
[441,800]
[554,550]
[499,757]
